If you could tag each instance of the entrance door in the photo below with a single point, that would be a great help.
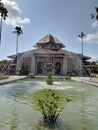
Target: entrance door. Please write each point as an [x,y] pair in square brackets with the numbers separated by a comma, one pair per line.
[58,68]
[39,67]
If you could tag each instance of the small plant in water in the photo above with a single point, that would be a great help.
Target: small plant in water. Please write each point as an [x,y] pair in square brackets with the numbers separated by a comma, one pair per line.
[68,77]
[49,79]
[50,103]
[31,76]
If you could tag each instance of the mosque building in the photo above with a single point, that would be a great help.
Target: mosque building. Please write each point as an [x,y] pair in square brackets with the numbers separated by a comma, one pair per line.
[49,56]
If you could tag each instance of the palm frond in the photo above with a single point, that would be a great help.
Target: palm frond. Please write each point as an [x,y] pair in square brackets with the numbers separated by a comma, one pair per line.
[92,16]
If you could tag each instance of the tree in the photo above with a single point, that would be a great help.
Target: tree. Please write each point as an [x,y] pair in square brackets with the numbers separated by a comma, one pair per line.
[93,15]
[18,31]
[82,35]
[3,12]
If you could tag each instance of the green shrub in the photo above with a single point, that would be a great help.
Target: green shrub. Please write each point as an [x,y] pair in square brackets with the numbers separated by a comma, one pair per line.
[18,70]
[50,103]
[68,77]
[3,76]
[49,79]
[31,76]
[96,75]
[23,69]
[92,75]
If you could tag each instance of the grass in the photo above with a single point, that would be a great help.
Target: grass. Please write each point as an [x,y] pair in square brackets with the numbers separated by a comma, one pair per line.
[3,76]
[96,75]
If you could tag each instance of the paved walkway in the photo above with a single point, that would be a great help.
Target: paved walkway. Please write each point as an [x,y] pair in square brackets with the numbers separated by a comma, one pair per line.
[11,78]
[89,80]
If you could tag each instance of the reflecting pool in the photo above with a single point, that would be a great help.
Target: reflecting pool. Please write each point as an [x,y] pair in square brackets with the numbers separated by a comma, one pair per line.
[17,111]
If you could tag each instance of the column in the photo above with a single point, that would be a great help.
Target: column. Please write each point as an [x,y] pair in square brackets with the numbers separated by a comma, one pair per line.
[33,64]
[65,65]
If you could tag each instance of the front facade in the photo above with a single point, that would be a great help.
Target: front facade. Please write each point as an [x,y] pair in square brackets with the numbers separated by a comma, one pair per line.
[50,57]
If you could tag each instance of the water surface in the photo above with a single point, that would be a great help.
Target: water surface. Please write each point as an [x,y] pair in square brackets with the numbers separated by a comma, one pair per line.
[18,113]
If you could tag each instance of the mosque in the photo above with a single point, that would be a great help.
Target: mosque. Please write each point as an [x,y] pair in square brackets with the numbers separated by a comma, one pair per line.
[49,56]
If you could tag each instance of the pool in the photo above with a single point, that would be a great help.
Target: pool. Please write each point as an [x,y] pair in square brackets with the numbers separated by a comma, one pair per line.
[17,111]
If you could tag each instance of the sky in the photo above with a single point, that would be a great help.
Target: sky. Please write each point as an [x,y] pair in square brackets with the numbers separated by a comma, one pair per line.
[64,19]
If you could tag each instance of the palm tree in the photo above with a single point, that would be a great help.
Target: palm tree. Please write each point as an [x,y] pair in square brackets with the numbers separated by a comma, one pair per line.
[93,15]
[3,12]
[96,8]
[82,35]
[18,31]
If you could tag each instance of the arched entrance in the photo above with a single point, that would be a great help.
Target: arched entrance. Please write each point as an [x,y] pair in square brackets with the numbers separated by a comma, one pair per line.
[39,67]
[57,68]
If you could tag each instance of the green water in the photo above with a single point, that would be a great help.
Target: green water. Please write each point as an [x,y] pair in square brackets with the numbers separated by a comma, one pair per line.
[17,111]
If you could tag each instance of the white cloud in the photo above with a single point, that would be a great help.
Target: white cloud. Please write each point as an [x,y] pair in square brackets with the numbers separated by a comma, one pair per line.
[14,13]
[93,58]
[94,24]
[90,38]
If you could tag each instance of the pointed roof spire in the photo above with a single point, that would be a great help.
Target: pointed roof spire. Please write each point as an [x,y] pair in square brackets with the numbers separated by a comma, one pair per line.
[50,39]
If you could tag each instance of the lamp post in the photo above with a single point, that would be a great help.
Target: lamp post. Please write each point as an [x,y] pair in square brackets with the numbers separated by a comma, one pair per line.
[82,35]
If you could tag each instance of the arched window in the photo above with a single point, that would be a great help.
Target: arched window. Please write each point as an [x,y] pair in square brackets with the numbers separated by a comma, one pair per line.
[39,67]
[57,68]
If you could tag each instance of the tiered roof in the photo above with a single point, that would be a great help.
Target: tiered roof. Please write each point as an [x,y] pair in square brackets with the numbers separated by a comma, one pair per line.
[49,39]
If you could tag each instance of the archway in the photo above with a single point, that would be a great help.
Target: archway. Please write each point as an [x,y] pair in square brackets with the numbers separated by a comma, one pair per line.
[57,68]
[39,67]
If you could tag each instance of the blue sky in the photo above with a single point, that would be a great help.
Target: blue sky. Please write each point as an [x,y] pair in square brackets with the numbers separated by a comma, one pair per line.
[65,19]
